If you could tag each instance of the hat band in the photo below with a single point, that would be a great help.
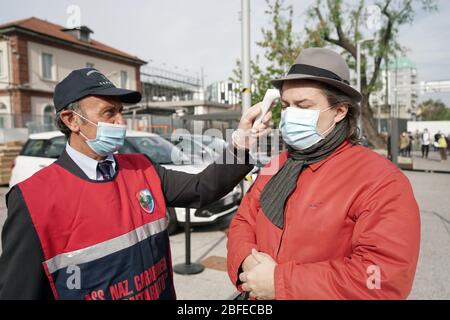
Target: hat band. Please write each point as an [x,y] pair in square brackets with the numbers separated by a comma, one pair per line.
[315,71]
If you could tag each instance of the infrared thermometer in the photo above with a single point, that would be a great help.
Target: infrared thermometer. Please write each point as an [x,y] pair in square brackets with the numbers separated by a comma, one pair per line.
[270,96]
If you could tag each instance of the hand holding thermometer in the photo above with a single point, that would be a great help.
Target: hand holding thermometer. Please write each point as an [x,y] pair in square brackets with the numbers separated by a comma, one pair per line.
[270,96]
[244,137]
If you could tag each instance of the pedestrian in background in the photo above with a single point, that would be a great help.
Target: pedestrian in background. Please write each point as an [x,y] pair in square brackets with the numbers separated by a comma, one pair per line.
[442,145]
[417,140]
[409,147]
[447,138]
[404,143]
[425,141]
[436,140]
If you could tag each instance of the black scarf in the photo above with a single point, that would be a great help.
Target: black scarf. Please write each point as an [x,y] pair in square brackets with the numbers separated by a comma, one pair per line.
[276,192]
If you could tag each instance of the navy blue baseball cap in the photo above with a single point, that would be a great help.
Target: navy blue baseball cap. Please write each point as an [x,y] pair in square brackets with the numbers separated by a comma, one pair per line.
[89,82]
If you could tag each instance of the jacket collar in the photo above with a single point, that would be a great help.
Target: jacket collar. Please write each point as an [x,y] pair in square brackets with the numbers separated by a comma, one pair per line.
[66,162]
[342,147]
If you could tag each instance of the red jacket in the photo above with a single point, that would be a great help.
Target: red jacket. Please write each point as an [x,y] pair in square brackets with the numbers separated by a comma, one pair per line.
[352,217]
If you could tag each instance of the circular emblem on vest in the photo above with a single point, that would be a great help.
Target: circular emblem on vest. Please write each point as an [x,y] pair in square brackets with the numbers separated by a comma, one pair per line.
[146,200]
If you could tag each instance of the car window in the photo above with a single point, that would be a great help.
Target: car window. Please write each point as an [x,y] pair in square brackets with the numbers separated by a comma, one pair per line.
[34,148]
[55,147]
[158,150]
[44,148]
[213,143]
[193,149]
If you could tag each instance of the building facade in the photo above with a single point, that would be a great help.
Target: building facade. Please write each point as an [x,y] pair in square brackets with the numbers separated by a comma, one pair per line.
[36,54]
[224,92]
[400,85]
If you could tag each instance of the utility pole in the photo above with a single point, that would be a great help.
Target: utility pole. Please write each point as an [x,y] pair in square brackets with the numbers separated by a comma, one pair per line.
[358,78]
[394,122]
[245,65]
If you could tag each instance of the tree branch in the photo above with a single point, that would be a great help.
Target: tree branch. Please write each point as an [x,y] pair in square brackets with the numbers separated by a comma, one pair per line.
[357,17]
[403,10]
[343,41]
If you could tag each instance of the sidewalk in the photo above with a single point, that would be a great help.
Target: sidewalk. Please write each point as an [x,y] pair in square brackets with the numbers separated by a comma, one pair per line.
[416,162]
[209,248]
[433,163]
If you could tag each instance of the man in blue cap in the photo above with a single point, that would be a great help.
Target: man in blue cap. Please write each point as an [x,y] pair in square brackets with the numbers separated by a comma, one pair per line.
[93,224]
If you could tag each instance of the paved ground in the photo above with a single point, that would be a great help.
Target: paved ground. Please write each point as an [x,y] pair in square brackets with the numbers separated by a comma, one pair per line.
[432,278]
[433,163]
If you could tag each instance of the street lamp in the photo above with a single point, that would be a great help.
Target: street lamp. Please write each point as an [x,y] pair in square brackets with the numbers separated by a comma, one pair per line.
[358,75]
[245,66]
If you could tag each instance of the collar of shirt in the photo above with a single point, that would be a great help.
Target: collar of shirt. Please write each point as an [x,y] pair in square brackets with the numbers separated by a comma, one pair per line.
[342,147]
[316,165]
[87,164]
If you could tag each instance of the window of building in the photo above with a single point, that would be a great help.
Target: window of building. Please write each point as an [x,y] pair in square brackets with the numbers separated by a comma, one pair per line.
[123,79]
[3,109]
[49,112]
[47,65]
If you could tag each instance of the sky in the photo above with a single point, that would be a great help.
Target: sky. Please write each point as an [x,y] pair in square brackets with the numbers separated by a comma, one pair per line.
[186,36]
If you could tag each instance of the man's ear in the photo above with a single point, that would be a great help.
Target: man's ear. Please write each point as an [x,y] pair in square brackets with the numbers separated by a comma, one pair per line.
[70,120]
[341,112]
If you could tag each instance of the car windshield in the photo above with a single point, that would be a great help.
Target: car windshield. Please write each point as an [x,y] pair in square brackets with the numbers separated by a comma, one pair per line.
[213,143]
[45,148]
[159,150]
[155,147]
[199,148]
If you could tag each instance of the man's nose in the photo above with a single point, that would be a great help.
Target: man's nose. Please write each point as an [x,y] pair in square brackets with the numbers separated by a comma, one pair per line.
[120,119]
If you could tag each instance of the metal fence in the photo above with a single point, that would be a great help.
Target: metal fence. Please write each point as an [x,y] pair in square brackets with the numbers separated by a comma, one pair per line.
[34,123]
[19,126]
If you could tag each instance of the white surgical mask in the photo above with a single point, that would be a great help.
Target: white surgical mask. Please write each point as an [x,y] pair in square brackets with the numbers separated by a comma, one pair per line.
[110,137]
[298,127]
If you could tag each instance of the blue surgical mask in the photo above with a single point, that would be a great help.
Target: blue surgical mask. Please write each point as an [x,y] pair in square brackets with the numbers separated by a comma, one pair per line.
[110,137]
[298,127]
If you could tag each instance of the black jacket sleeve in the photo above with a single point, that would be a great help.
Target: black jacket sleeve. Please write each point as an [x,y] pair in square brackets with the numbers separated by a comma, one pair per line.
[22,275]
[215,181]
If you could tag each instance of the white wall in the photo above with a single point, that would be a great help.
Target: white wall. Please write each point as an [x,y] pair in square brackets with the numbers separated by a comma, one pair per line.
[38,105]
[5,118]
[7,102]
[432,126]
[65,61]
[4,75]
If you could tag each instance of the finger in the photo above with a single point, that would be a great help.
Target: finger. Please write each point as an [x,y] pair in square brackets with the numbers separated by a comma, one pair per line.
[256,255]
[262,257]
[243,277]
[252,113]
[267,118]
[261,127]
[245,287]
[265,123]
[253,295]
[263,133]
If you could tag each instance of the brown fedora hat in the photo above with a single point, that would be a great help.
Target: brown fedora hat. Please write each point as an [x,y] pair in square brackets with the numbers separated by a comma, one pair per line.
[324,65]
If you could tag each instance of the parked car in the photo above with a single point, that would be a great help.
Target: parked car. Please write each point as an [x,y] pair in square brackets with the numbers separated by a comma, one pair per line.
[200,148]
[42,149]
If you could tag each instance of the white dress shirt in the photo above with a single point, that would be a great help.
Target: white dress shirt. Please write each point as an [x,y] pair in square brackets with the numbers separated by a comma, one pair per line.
[87,164]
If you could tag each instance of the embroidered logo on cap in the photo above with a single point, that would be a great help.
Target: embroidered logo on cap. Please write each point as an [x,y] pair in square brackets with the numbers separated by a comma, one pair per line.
[105,79]
[146,200]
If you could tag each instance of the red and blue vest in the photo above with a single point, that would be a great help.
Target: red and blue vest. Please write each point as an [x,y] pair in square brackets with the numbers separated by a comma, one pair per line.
[103,239]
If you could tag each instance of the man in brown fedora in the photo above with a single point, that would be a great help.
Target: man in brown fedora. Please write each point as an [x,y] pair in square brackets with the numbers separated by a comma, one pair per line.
[336,220]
